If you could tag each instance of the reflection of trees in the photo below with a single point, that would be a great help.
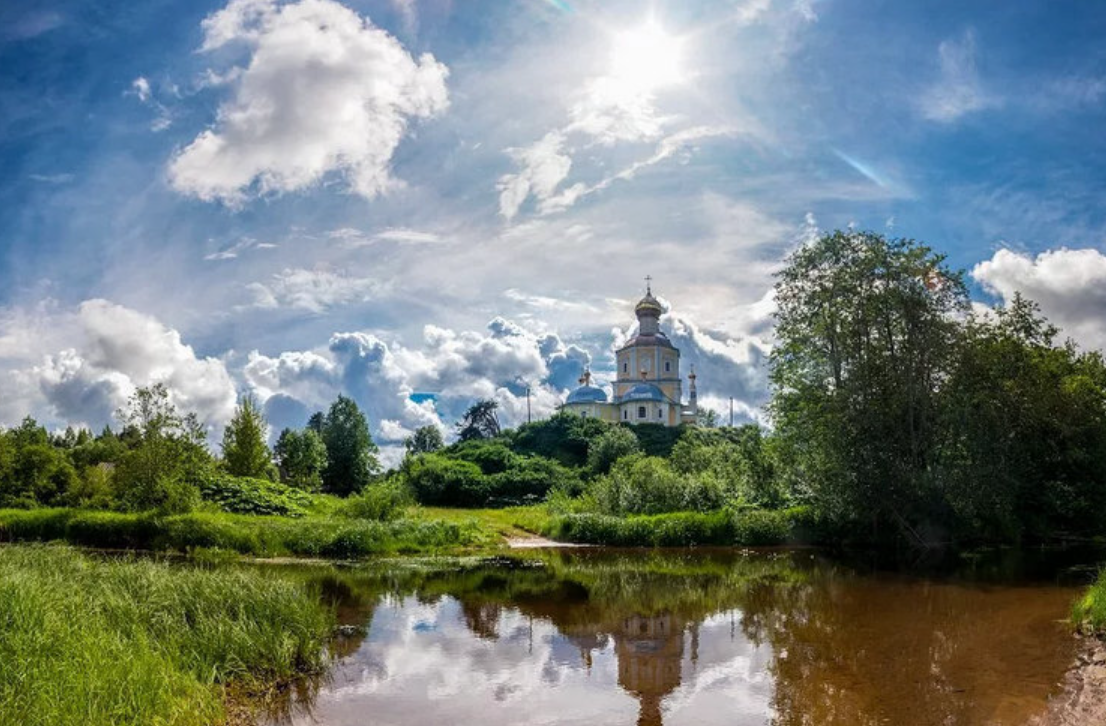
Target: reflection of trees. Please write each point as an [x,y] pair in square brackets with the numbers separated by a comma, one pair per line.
[845,649]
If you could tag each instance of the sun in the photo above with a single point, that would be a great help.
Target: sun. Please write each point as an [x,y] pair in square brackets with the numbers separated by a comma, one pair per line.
[646,58]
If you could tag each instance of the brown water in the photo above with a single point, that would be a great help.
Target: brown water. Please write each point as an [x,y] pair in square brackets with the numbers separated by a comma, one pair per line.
[712,638]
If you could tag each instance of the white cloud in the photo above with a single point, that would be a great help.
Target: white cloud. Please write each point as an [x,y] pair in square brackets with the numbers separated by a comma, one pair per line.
[542,167]
[1068,284]
[354,238]
[324,91]
[313,290]
[141,87]
[80,366]
[244,244]
[958,90]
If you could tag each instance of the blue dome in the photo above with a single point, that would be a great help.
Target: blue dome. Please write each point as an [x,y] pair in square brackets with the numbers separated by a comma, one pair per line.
[587,394]
[644,392]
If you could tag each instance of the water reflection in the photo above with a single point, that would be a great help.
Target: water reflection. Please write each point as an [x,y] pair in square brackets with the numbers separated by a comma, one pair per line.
[715,638]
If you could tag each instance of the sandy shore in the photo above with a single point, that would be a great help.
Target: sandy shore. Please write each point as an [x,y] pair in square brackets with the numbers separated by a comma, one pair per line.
[1083,700]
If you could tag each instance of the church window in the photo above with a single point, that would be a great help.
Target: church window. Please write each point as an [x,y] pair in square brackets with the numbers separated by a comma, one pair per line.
[625,414]
[641,411]
[660,414]
[625,367]
[668,366]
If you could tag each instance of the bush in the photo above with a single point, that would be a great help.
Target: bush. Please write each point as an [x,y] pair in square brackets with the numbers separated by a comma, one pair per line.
[647,485]
[529,481]
[437,480]
[609,447]
[245,495]
[378,502]
[1089,611]
[678,529]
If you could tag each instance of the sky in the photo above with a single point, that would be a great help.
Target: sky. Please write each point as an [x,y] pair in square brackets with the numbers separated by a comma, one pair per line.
[419,203]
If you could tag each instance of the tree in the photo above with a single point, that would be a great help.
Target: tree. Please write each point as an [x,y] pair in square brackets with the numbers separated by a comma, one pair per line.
[168,455]
[865,328]
[244,450]
[426,440]
[302,458]
[479,422]
[613,444]
[351,453]
[707,418]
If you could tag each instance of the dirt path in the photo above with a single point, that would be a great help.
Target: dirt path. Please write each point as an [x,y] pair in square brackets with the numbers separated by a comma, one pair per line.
[533,541]
[1083,701]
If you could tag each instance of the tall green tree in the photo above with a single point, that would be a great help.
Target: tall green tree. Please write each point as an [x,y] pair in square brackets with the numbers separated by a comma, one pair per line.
[351,453]
[480,421]
[610,446]
[425,440]
[245,452]
[302,458]
[866,328]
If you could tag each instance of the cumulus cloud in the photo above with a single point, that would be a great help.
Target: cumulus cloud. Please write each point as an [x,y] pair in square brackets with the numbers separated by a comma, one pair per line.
[1068,284]
[324,91]
[542,167]
[81,366]
[958,90]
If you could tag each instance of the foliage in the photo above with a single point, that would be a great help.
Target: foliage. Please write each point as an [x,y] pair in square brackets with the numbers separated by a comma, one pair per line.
[735,457]
[168,457]
[351,453]
[1089,611]
[562,437]
[491,455]
[301,457]
[244,450]
[258,536]
[438,480]
[380,502]
[425,440]
[610,446]
[677,529]
[1044,474]
[866,327]
[642,484]
[122,641]
[247,495]
[479,422]
[657,439]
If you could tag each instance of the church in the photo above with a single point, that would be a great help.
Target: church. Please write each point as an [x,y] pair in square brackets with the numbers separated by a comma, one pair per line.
[647,386]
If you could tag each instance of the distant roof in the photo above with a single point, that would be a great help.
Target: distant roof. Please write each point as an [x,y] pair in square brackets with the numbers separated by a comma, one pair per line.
[646,340]
[644,392]
[587,394]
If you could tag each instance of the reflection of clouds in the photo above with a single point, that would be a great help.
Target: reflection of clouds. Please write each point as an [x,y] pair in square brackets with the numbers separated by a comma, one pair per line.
[421,663]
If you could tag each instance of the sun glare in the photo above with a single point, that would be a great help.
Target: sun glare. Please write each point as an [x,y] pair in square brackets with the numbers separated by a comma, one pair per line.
[646,58]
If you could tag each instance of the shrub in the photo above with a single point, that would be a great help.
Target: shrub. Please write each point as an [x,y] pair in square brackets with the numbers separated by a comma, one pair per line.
[610,446]
[647,485]
[380,502]
[1089,611]
[437,480]
[762,527]
[677,529]
[245,495]
[528,481]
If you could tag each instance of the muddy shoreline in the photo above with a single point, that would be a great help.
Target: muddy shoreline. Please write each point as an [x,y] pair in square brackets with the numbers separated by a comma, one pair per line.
[1083,699]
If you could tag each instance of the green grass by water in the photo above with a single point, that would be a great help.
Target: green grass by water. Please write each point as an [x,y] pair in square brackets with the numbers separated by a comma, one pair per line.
[89,641]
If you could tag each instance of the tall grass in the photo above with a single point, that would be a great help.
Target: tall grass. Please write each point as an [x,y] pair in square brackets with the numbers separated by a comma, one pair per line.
[677,529]
[89,641]
[339,538]
[1089,611]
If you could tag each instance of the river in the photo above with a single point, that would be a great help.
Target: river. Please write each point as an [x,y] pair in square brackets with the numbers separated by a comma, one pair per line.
[621,637]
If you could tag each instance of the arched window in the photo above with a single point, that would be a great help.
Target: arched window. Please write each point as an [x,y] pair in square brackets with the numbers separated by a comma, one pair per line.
[641,412]
[625,367]
[660,413]
[668,366]
[625,414]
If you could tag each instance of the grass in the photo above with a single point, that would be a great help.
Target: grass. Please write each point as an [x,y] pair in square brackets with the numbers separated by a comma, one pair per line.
[678,529]
[259,536]
[1089,611]
[93,641]
[507,522]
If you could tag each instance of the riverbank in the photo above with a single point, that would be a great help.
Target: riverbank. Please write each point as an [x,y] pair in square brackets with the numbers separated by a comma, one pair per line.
[128,642]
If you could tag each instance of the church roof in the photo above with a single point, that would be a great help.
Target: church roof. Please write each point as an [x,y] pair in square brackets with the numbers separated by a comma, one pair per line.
[587,394]
[648,305]
[644,392]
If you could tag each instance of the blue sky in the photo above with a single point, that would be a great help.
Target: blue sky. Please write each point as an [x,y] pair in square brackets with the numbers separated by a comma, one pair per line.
[293,199]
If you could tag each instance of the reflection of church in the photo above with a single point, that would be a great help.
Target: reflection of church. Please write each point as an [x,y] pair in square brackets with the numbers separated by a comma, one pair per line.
[650,652]
[647,387]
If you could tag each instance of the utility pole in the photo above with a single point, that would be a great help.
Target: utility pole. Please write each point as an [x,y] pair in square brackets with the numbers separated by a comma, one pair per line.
[731,412]
[528,419]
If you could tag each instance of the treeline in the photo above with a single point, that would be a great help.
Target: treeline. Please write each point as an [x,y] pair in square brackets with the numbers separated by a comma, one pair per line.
[897,413]
[160,460]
